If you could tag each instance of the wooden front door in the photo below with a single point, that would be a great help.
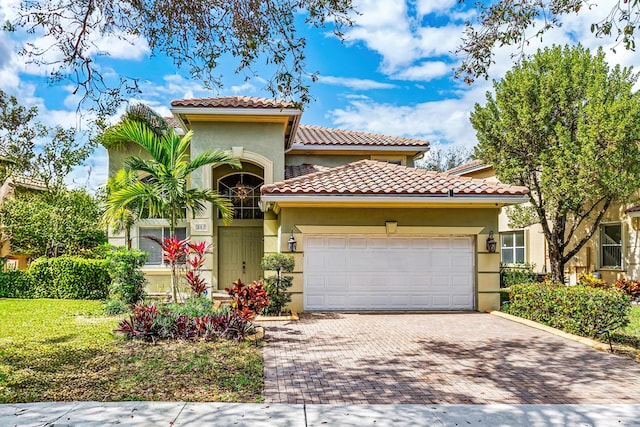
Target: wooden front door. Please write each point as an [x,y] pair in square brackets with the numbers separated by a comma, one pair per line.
[240,250]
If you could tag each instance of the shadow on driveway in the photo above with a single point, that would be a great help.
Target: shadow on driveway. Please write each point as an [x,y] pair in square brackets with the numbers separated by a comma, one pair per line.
[349,358]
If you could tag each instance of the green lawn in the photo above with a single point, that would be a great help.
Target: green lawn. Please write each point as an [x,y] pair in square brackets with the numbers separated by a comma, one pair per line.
[629,335]
[63,350]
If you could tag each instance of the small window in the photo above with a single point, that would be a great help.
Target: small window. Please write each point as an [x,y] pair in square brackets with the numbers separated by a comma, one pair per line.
[611,245]
[512,247]
[150,239]
[243,190]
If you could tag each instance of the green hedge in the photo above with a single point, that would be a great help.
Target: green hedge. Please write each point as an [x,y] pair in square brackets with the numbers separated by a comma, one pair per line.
[69,277]
[515,274]
[15,284]
[39,272]
[579,310]
[65,277]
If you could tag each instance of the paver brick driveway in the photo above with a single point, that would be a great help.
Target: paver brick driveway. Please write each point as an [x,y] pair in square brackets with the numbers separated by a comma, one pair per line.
[436,358]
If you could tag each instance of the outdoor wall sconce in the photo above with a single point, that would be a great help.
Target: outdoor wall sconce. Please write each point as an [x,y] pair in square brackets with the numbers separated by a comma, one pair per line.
[491,243]
[291,243]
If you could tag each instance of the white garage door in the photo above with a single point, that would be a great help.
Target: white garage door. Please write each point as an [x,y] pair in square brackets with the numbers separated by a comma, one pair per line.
[380,272]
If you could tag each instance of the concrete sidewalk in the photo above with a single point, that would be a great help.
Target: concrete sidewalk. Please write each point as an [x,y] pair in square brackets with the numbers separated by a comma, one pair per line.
[173,414]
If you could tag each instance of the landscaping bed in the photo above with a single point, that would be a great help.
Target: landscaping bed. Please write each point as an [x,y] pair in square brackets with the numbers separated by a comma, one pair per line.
[65,350]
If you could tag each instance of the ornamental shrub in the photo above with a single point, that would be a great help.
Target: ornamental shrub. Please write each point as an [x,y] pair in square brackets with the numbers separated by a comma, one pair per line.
[79,278]
[515,274]
[150,323]
[39,272]
[277,286]
[629,287]
[127,280]
[15,284]
[579,310]
[592,281]
[68,277]
[114,307]
[248,300]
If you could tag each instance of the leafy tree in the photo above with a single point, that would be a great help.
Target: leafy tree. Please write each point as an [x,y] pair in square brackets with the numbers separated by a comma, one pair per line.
[505,22]
[195,34]
[162,190]
[565,125]
[19,131]
[442,159]
[58,156]
[41,224]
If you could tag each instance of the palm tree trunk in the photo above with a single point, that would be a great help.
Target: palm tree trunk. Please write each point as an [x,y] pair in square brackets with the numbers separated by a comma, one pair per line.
[127,237]
[174,270]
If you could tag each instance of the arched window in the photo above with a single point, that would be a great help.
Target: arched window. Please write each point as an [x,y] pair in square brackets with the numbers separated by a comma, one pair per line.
[244,191]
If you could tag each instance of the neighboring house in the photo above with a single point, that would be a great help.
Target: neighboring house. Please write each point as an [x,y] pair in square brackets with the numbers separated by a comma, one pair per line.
[7,190]
[371,231]
[614,250]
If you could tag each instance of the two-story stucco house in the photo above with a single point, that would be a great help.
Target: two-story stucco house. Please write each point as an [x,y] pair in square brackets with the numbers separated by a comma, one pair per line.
[370,231]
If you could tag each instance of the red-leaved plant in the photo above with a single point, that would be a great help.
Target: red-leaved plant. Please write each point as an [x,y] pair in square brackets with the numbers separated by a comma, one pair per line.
[141,324]
[178,252]
[248,300]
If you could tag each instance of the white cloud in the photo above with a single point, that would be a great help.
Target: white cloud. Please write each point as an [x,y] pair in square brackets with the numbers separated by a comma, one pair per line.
[175,87]
[120,45]
[445,121]
[243,88]
[354,83]
[424,72]
[425,7]
[383,26]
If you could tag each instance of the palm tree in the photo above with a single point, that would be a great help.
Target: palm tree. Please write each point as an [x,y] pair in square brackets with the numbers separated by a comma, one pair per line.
[121,219]
[162,189]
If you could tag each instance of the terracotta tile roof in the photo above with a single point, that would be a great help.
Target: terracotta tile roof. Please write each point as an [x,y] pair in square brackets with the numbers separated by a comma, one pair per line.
[232,102]
[367,177]
[473,164]
[294,171]
[316,135]
[29,182]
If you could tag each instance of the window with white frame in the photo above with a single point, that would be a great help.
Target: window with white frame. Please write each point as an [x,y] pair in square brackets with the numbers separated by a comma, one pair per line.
[512,247]
[243,189]
[150,238]
[611,245]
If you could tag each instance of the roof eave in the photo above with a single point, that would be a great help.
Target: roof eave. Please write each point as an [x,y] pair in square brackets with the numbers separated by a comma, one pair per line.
[293,114]
[237,111]
[404,198]
[470,170]
[353,147]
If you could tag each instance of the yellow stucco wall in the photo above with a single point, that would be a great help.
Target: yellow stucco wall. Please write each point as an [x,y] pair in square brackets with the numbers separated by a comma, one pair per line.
[587,259]
[474,222]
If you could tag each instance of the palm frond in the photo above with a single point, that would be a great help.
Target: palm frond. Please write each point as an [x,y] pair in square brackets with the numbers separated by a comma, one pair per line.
[210,158]
[139,133]
[181,148]
[196,196]
[148,167]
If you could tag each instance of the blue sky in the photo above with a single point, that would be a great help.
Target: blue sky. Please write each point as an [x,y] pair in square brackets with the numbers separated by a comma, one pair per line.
[393,75]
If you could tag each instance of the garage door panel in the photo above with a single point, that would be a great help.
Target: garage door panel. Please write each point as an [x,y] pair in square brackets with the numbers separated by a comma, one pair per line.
[358,243]
[378,243]
[336,242]
[374,272]
[314,242]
